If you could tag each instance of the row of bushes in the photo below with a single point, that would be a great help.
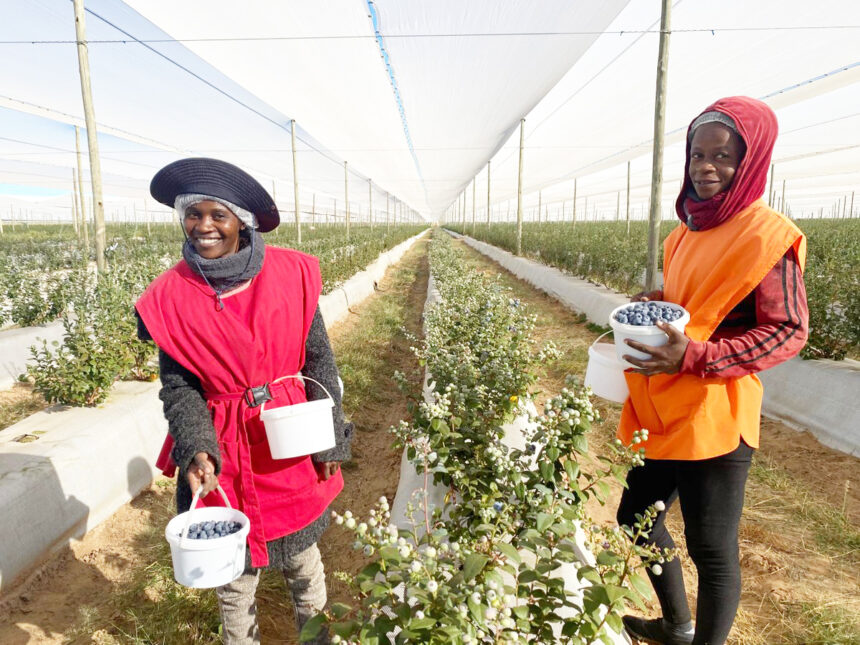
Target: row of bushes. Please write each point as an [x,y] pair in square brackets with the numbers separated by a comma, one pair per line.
[100,344]
[481,569]
[46,259]
[604,253]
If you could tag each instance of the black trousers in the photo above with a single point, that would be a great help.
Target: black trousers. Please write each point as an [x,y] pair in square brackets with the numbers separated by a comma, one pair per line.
[711,492]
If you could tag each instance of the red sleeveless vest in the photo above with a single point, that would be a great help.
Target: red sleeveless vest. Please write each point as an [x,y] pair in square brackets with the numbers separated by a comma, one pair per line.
[257,337]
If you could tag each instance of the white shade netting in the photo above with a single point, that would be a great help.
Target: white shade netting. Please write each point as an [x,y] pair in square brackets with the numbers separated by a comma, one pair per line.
[417,97]
[155,101]
[802,58]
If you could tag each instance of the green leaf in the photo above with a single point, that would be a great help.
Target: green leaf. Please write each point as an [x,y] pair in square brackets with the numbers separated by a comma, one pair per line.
[527,576]
[476,609]
[606,558]
[580,443]
[344,629]
[544,521]
[473,565]
[614,621]
[422,623]
[312,628]
[641,585]
[520,611]
[369,572]
[340,610]
[509,551]
[572,469]
[546,470]
[590,574]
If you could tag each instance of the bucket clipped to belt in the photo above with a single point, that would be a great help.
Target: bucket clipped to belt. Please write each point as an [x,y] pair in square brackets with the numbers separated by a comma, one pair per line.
[605,373]
[302,428]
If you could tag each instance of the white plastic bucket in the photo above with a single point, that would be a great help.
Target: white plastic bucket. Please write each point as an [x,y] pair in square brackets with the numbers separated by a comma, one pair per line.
[302,428]
[648,335]
[203,564]
[605,373]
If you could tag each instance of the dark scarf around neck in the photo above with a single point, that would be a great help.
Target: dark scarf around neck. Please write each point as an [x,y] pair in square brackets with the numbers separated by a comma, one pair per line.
[229,271]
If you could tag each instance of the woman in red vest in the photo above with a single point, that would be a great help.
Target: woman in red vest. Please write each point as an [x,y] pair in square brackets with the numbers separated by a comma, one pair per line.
[232,317]
[737,267]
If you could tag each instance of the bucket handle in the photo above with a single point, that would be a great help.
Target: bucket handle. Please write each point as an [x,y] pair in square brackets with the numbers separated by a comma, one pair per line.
[601,336]
[304,378]
[184,535]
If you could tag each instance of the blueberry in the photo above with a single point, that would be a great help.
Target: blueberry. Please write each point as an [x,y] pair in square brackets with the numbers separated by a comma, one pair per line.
[497,506]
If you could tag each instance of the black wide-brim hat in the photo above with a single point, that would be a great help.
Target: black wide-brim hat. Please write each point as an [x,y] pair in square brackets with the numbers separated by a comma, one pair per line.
[218,179]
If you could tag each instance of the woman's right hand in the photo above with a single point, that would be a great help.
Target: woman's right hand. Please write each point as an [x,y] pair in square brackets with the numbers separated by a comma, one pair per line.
[201,472]
[645,296]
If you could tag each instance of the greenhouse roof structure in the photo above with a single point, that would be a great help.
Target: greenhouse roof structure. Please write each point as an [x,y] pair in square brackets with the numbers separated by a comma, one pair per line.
[407,101]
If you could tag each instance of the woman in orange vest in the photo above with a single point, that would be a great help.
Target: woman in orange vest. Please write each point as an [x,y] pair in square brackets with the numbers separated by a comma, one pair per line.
[737,266]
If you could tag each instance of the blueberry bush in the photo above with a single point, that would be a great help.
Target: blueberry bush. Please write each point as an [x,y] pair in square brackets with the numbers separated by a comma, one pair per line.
[100,344]
[605,254]
[486,568]
[43,257]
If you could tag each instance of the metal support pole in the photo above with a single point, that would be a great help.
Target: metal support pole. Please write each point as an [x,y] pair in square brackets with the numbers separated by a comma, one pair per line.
[574,202]
[84,223]
[782,200]
[370,201]
[473,204]
[387,213]
[770,190]
[346,195]
[628,198]
[488,194]
[314,210]
[295,183]
[540,200]
[75,216]
[92,134]
[520,191]
[654,215]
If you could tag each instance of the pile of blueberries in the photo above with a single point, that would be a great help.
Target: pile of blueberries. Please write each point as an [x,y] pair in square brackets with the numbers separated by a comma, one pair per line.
[644,314]
[212,530]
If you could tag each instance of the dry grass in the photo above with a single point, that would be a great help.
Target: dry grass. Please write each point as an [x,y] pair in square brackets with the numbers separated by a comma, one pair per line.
[18,403]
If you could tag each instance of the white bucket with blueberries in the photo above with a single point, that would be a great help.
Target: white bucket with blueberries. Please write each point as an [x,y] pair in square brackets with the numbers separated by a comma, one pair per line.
[302,428]
[605,372]
[207,544]
[637,321]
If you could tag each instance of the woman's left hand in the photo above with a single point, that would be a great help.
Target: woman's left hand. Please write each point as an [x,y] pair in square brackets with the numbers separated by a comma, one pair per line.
[327,469]
[665,359]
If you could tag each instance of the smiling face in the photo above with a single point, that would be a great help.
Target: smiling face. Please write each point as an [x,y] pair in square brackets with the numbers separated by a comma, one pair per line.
[213,229]
[715,154]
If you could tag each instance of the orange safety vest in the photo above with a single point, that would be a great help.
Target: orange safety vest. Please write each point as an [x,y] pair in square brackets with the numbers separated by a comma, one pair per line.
[709,272]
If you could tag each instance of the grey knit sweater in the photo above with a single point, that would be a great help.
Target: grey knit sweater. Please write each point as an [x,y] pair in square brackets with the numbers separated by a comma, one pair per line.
[190,424]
